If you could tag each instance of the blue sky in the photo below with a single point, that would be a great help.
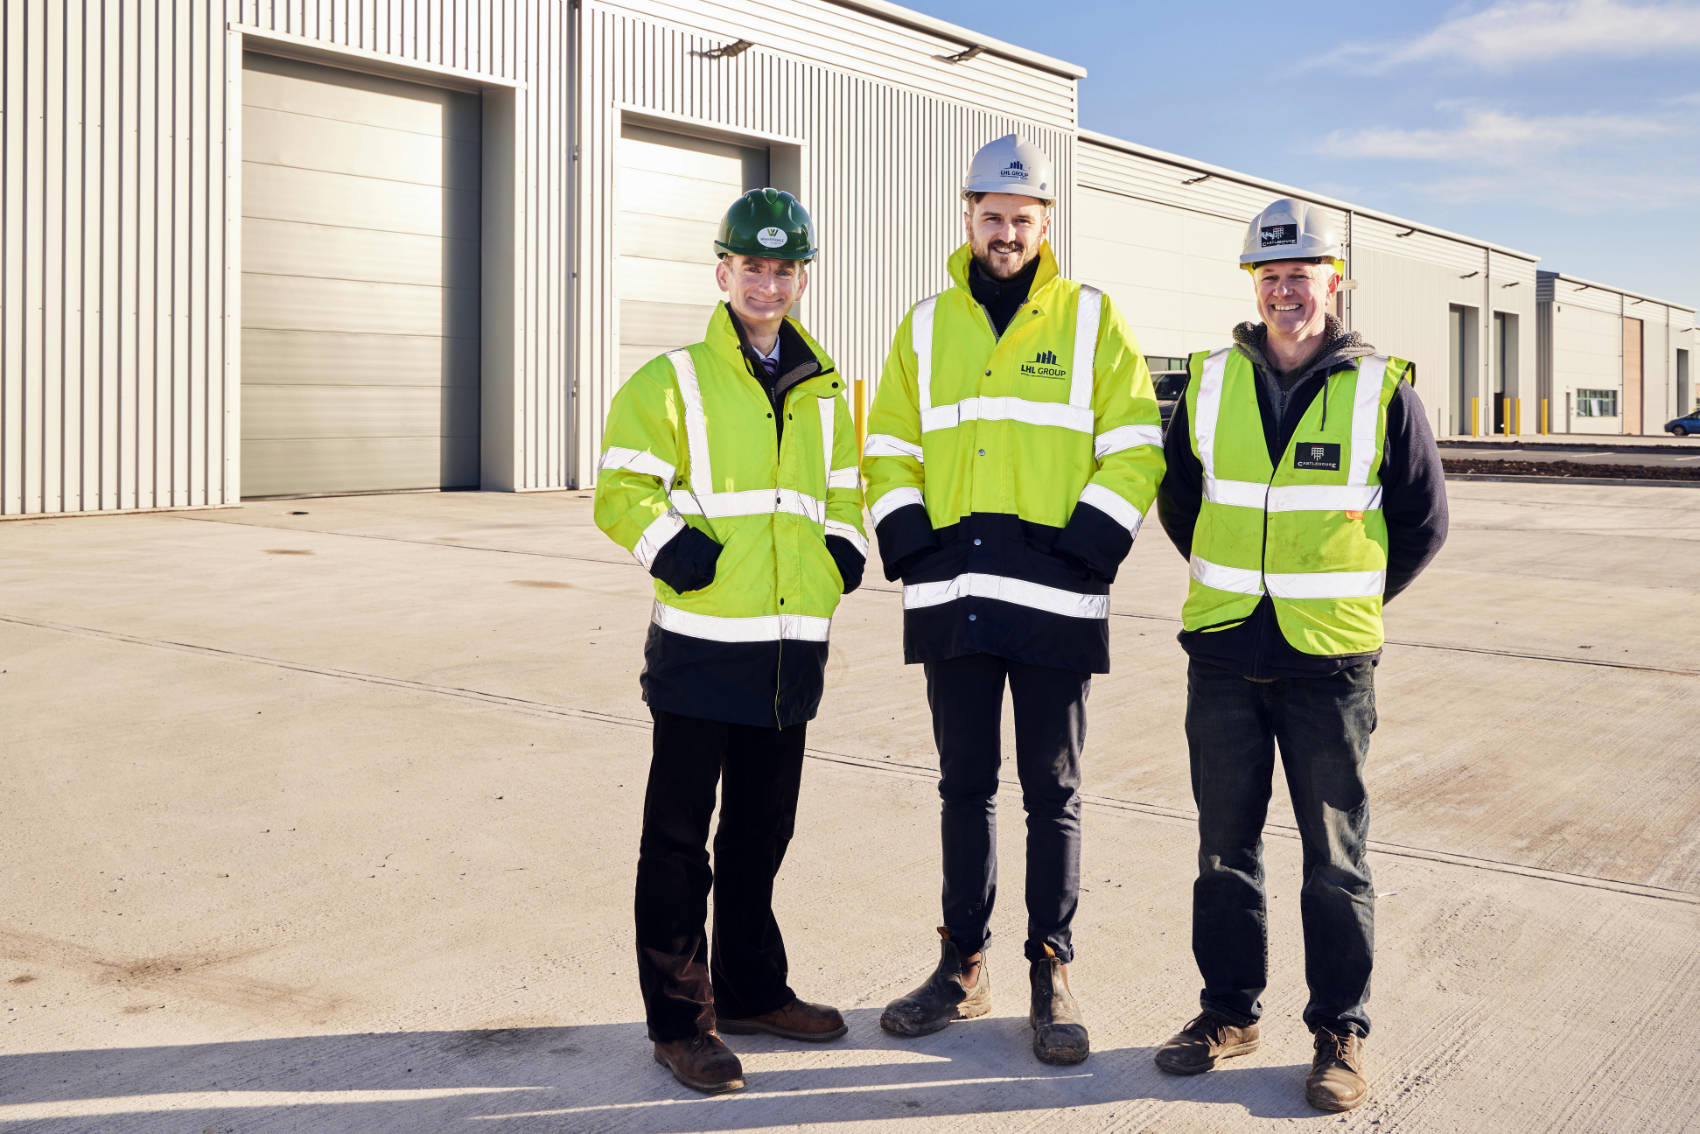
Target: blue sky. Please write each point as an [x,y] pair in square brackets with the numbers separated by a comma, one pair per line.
[1562,128]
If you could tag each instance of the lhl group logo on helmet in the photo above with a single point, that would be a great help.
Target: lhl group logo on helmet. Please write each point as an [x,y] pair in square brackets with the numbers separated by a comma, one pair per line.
[771,237]
[1014,171]
[1277,234]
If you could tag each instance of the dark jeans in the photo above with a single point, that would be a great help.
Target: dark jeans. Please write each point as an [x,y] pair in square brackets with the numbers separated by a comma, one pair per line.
[760,770]
[1322,725]
[966,695]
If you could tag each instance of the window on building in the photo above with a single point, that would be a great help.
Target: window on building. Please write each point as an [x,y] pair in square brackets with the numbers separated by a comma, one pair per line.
[1159,362]
[1596,403]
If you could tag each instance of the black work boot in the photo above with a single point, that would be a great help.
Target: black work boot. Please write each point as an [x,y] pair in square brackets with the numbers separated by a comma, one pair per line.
[959,989]
[1059,1031]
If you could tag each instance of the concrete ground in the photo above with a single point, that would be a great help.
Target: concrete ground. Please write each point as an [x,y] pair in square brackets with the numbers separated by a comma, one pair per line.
[322,815]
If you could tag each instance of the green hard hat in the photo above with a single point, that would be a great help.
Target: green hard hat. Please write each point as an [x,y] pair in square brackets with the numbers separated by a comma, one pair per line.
[767,222]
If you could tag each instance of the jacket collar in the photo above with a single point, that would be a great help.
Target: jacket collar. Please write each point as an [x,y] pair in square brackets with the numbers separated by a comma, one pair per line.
[1048,271]
[800,356]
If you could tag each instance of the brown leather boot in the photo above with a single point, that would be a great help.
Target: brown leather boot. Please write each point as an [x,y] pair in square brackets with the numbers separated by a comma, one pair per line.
[702,1063]
[1059,1030]
[1336,1079]
[1207,1039]
[960,988]
[798,1020]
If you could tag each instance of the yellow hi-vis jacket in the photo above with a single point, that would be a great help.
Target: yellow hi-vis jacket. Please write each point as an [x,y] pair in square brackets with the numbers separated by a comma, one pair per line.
[1309,531]
[692,468]
[1008,475]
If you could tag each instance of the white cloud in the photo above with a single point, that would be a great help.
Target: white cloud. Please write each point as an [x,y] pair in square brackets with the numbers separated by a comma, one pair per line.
[1573,163]
[1492,137]
[1513,33]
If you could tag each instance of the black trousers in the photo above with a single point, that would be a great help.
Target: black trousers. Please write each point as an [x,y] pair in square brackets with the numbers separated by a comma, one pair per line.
[1322,726]
[685,984]
[966,696]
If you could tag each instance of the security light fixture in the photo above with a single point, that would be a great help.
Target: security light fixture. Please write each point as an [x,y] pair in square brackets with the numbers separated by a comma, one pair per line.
[1513,283]
[1407,232]
[1467,275]
[1196,180]
[964,55]
[729,50]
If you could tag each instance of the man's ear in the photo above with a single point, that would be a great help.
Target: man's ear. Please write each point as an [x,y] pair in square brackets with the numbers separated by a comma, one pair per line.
[802,281]
[723,273]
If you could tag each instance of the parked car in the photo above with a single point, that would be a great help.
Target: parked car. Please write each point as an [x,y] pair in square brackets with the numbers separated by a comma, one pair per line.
[1170,384]
[1682,426]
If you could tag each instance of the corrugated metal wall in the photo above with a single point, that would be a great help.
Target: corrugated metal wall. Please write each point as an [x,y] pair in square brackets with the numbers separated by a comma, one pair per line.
[116,260]
[881,163]
[1582,341]
[112,342]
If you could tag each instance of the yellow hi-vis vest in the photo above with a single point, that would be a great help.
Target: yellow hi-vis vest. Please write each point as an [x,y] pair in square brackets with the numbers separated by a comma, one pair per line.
[690,439]
[1309,533]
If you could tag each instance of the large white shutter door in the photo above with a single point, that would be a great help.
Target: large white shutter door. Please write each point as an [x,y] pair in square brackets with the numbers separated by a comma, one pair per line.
[360,276]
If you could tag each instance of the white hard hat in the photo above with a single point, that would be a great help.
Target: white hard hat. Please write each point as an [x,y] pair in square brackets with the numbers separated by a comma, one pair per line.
[1292,230]
[1011,165]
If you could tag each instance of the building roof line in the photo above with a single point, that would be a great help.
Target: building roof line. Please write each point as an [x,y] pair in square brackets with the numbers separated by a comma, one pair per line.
[1568,278]
[1126,146]
[905,17]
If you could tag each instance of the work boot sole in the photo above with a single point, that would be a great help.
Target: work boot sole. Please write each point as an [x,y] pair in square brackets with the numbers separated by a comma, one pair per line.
[1334,1106]
[703,1085]
[1173,1067]
[899,1026]
[752,1027]
[1058,1055]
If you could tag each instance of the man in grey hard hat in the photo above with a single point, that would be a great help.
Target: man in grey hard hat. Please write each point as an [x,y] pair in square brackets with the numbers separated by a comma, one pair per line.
[1305,491]
[1013,448]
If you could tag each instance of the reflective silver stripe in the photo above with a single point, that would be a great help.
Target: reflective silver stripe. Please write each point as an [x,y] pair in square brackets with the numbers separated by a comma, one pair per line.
[1113,506]
[1294,497]
[1290,585]
[751,502]
[844,478]
[1087,312]
[696,422]
[1235,493]
[828,406]
[660,532]
[761,628]
[893,500]
[1366,416]
[1077,418]
[849,532]
[885,445]
[1208,408]
[1328,584]
[1125,437]
[1240,580]
[1035,596]
[638,461]
[921,339]
[1325,498]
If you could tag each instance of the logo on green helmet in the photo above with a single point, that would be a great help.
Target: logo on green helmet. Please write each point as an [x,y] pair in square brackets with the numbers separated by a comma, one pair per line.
[771,237]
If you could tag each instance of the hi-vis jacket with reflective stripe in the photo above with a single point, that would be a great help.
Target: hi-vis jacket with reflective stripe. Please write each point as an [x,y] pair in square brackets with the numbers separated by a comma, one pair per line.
[691,442]
[1007,476]
[1310,531]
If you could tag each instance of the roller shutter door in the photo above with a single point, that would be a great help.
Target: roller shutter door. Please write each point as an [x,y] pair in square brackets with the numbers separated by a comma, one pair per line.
[360,273]
[672,191]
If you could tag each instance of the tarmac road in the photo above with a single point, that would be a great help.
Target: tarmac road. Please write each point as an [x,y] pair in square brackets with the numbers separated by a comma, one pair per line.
[327,822]
[1682,453]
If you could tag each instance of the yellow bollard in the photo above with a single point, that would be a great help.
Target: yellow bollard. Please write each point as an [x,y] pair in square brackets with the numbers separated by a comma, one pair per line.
[1475,414]
[1543,415]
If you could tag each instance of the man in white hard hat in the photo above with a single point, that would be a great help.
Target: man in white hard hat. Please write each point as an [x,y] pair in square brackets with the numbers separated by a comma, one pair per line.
[1013,449]
[1305,490]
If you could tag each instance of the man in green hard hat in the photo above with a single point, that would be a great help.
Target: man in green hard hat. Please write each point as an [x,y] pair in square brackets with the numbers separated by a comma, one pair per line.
[729,470]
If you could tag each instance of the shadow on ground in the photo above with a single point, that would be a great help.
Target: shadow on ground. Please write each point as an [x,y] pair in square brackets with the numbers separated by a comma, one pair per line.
[595,1076]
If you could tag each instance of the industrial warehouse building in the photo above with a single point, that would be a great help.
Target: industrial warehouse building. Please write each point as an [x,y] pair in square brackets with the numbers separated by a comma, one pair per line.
[1611,361]
[273,247]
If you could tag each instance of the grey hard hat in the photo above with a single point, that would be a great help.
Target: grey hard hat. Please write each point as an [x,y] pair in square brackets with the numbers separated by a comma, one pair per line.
[1011,165]
[1291,230]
